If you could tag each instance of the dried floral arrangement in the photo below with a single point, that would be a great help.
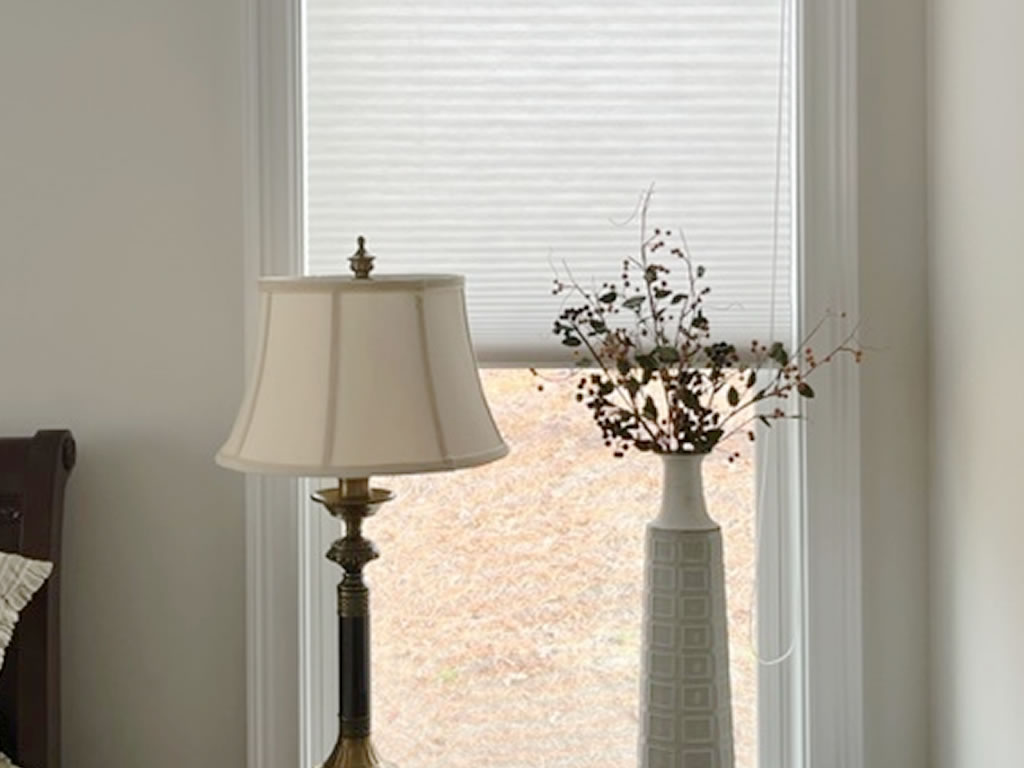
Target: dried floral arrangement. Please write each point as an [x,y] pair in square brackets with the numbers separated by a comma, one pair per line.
[658,381]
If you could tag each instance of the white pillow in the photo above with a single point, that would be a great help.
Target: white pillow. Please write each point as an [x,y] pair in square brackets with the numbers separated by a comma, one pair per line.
[20,578]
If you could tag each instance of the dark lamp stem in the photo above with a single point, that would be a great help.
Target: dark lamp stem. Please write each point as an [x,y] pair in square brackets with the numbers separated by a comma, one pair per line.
[353,501]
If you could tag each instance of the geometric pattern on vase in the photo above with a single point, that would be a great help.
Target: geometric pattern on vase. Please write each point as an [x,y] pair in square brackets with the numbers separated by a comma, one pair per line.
[685,713]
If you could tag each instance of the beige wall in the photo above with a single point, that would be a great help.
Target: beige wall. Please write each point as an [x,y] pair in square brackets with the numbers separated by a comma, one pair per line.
[121,318]
[977,276]
[891,132]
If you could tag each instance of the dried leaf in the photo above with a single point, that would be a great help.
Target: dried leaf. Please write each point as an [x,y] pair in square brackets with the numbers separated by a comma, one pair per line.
[667,354]
[778,353]
[650,409]
[647,362]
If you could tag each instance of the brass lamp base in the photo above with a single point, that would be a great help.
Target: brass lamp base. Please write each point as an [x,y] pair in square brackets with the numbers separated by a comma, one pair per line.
[355,752]
[353,501]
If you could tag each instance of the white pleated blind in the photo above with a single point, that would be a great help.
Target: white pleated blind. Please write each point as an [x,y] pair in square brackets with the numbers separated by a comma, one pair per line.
[499,138]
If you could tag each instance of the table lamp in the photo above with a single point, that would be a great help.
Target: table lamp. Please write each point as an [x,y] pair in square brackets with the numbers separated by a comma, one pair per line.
[354,377]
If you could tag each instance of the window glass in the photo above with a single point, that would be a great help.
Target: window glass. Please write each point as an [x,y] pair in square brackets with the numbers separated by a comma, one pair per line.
[507,598]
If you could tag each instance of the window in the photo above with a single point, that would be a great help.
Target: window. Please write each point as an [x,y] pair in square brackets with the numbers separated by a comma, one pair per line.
[499,140]
[448,214]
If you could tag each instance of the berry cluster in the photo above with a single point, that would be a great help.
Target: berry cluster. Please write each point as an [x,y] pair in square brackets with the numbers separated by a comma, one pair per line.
[657,381]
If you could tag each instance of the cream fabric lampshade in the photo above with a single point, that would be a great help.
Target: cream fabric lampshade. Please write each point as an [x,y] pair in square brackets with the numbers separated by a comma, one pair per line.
[360,377]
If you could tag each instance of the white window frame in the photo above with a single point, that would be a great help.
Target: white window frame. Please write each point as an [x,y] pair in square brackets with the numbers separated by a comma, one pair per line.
[281,621]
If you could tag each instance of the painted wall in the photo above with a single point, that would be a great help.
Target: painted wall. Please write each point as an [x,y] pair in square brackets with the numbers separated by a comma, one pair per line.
[121,318]
[894,380]
[976,112]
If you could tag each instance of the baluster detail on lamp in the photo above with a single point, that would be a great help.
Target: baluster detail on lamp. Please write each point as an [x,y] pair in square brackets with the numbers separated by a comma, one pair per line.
[353,501]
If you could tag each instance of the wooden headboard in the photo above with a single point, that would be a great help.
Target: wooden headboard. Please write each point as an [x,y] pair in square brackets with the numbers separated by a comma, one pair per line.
[33,473]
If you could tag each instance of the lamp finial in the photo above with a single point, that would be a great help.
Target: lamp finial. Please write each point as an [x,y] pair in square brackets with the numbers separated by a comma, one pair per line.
[361,261]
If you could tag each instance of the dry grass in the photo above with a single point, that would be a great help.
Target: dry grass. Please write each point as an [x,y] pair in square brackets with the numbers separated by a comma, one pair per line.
[507,598]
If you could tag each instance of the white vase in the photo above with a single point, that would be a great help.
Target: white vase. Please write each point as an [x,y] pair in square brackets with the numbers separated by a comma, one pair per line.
[685,701]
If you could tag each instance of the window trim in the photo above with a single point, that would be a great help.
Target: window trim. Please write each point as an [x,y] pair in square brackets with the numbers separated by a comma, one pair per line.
[279,619]
[832,623]
[272,222]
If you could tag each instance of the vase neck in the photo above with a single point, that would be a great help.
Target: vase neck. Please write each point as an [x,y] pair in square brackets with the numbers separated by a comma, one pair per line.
[682,495]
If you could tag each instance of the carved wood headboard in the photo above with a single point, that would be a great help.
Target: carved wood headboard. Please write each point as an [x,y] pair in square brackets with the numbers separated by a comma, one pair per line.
[33,474]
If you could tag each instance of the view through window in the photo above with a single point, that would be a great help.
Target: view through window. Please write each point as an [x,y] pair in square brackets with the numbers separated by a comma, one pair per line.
[507,598]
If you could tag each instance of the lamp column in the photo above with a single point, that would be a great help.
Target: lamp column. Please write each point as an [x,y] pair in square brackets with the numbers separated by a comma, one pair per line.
[353,501]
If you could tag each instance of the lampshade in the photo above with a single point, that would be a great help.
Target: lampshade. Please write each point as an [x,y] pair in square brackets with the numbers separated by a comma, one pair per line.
[360,377]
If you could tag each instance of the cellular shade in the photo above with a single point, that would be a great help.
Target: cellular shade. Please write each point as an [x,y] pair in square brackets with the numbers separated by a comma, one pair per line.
[499,139]
[362,377]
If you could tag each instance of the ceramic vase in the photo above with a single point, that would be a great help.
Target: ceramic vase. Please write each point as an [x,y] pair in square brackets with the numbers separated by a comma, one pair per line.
[685,701]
